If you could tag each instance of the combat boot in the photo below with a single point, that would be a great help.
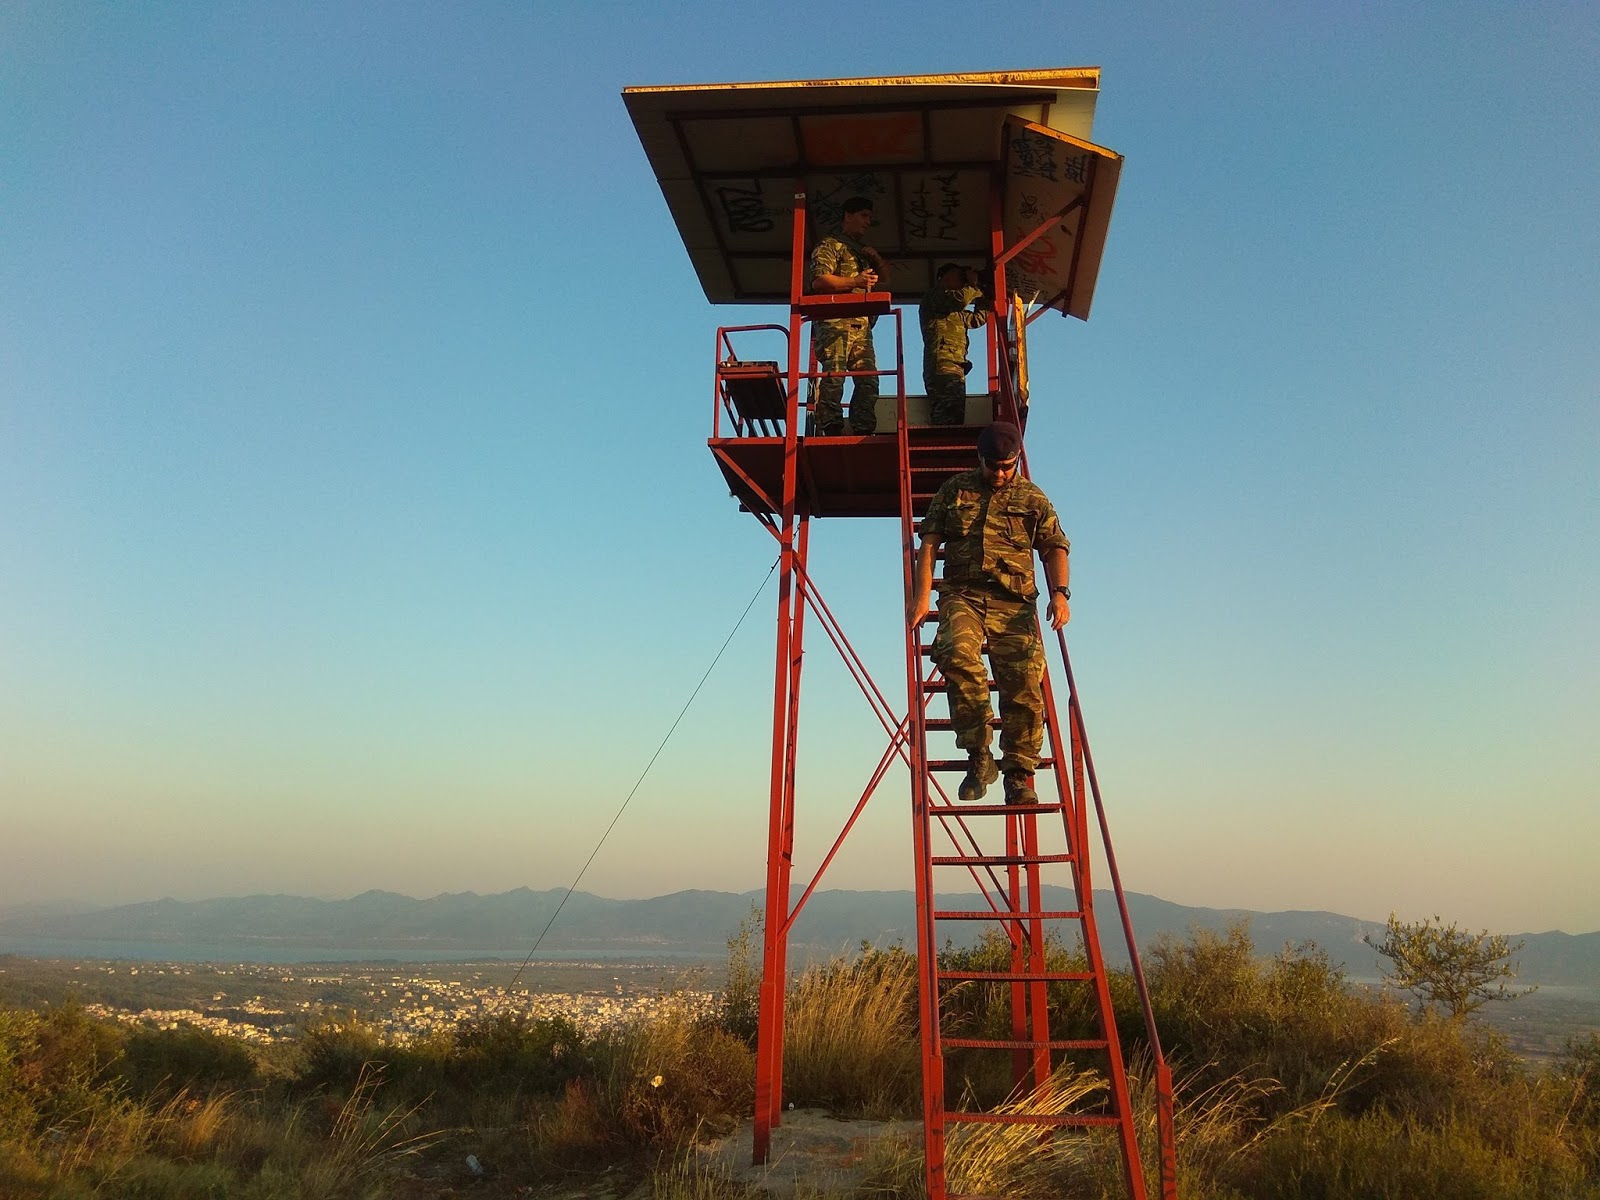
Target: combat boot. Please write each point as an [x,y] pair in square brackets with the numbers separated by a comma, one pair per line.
[981,772]
[1019,787]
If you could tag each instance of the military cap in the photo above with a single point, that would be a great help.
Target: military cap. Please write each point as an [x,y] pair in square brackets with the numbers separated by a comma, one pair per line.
[1000,442]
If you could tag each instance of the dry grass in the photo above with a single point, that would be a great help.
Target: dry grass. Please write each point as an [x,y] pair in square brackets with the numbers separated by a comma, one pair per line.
[1017,1160]
[851,1042]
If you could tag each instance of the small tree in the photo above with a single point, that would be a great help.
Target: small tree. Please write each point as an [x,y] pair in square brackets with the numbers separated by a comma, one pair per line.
[1441,964]
[741,998]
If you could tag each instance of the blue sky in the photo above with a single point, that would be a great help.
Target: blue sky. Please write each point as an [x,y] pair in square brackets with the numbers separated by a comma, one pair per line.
[358,528]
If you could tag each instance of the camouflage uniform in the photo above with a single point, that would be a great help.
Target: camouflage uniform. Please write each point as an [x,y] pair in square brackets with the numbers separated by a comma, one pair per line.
[945,319]
[842,344]
[989,593]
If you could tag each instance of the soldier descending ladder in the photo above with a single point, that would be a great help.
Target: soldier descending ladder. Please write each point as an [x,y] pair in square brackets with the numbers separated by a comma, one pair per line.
[993,175]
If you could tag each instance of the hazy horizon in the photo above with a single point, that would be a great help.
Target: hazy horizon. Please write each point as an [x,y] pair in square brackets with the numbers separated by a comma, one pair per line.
[334,898]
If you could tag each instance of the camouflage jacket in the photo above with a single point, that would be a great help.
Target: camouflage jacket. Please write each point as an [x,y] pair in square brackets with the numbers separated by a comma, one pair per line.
[836,255]
[990,535]
[945,319]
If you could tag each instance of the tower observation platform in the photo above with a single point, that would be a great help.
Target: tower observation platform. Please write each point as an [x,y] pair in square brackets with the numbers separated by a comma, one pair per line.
[993,173]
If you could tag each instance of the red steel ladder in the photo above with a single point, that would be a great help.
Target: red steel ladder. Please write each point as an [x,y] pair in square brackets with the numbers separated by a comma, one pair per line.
[1030,866]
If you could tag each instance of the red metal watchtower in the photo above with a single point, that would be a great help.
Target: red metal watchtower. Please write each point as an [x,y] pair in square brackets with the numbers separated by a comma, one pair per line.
[993,171]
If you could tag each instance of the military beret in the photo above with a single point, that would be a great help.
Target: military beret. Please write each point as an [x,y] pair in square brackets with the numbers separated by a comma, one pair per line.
[1000,441]
[947,267]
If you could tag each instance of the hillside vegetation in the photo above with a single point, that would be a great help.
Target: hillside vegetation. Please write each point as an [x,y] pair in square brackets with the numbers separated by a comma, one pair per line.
[1291,1084]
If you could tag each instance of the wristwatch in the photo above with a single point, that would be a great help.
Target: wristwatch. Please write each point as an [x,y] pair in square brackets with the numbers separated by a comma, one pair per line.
[1066,592]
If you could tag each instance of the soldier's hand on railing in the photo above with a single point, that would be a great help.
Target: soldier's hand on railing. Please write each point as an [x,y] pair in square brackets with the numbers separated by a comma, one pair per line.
[1060,610]
[867,280]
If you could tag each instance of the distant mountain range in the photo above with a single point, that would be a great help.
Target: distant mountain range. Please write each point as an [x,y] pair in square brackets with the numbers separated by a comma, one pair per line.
[692,924]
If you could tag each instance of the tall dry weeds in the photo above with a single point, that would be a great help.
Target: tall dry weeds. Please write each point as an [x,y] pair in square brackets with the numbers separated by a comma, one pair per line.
[1020,1160]
[851,1041]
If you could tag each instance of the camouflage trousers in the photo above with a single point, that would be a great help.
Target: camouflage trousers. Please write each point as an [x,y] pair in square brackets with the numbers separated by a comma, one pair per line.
[946,385]
[967,618]
[844,345]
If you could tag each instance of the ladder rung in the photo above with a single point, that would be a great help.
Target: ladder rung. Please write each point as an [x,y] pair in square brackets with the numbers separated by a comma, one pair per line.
[989,914]
[960,764]
[989,810]
[940,685]
[1020,976]
[1050,1119]
[942,723]
[1006,1044]
[999,860]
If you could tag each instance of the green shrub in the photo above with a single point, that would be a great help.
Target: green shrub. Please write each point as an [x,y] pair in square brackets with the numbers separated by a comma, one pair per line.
[333,1053]
[19,1044]
[1579,1069]
[514,1053]
[162,1061]
[55,1068]
[658,1082]
[1380,1156]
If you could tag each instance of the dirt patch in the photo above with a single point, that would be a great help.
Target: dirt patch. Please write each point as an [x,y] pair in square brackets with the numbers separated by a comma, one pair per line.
[812,1150]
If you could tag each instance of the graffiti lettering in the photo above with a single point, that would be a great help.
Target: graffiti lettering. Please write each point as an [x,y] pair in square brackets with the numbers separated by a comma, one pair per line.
[1076,169]
[744,209]
[932,209]
[827,207]
[1039,258]
[1033,156]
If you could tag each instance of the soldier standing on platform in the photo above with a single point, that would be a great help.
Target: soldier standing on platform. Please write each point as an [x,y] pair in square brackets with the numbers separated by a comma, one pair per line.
[842,263]
[991,521]
[945,318]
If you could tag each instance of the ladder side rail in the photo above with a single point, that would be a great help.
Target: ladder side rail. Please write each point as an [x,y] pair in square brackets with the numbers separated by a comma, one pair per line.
[996,332]
[1006,408]
[1165,1125]
[927,948]
[1075,817]
[899,371]
[1075,711]
[1121,1096]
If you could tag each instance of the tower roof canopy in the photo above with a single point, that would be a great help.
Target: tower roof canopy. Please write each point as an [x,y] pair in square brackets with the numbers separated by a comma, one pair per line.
[924,148]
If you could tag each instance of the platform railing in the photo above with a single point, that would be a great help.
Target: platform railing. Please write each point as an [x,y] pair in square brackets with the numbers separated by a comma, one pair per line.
[760,415]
